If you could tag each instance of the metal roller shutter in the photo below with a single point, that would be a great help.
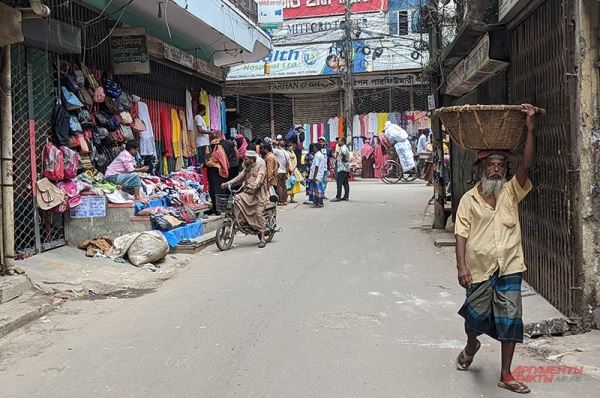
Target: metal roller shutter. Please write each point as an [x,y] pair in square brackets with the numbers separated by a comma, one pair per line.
[316,108]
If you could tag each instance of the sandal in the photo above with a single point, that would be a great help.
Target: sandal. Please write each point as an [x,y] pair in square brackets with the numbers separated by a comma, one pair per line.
[464,361]
[514,386]
[262,245]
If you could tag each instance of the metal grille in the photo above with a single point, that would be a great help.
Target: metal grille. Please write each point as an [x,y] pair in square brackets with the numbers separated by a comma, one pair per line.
[394,99]
[33,85]
[539,74]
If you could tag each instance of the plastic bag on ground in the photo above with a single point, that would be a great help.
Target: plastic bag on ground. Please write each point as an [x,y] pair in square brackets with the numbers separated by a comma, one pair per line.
[141,247]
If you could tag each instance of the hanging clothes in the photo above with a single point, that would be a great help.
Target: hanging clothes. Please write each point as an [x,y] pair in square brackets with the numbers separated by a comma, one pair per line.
[165,124]
[372,127]
[381,119]
[215,112]
[189,111]
[223,116]
[356,130]
[393,119]
[204,101]
[176,133]
[147,146]
[364,126]
[185,136]
[307,136]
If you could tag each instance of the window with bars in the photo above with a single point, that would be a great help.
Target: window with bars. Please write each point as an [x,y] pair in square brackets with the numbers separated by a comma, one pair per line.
[402,23]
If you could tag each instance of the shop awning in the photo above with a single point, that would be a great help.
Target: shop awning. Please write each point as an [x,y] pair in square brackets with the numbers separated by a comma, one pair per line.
[214,26]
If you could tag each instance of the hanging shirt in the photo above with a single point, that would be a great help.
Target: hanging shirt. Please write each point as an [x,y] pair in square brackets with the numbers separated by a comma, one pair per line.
[373,124]
[165,127]
[176,133]
[147,146]
[381,119]
[189,111]
[204,101]
[356,131]
[215,112]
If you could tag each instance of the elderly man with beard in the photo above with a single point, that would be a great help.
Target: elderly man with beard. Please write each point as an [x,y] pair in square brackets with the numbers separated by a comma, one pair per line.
[250,204]
[489,256]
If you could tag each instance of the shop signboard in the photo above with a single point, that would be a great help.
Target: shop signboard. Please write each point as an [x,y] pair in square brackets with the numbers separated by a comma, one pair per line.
[331,28]
[376,81]
[328,59]
[270,14]
[294,9]
[90,207]
[129,51]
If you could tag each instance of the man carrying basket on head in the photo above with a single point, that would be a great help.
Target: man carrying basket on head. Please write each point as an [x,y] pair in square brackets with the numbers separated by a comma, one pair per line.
[489,255]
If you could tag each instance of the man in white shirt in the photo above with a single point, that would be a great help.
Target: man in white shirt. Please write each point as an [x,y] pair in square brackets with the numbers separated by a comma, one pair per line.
[283,158]
[422,142]
[316,176]
[202,134]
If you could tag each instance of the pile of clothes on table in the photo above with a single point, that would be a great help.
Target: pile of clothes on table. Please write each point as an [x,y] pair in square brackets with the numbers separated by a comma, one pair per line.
[180,187]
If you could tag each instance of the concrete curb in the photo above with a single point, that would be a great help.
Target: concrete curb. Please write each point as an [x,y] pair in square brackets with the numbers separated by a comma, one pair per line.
[17,315]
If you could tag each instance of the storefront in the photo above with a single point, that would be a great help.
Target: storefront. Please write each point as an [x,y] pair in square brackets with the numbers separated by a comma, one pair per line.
[51,64]
[272,107]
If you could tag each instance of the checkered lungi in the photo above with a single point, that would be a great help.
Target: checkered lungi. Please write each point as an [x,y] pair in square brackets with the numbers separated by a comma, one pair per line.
[318,192]
[494,308]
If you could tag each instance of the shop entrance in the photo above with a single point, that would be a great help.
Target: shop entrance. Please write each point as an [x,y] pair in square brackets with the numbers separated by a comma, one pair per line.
[33,89]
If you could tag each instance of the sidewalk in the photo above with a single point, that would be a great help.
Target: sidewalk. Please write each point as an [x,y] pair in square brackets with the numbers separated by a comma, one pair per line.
[548,333]
[66,273]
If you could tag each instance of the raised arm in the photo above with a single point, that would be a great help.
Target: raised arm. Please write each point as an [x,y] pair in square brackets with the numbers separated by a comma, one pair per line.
[529,149]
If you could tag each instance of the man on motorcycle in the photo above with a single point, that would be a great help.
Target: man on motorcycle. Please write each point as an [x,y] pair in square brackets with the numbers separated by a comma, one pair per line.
[250,204]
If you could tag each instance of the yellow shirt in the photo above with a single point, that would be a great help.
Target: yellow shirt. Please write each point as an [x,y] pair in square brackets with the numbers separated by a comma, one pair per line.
[493,235]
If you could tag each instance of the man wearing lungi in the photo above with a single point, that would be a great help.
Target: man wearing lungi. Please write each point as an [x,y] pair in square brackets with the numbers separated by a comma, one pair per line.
[489,255]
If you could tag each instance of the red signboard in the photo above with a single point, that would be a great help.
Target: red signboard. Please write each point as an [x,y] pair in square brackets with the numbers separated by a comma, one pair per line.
[320,8]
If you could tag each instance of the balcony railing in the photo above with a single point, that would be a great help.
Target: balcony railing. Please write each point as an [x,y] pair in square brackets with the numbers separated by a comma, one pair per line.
[248,7]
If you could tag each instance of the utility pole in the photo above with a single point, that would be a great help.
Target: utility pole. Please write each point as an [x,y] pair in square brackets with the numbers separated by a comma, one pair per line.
[439,191]
[348,79]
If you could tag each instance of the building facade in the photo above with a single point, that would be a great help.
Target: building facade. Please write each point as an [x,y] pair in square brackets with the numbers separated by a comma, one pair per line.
[544,53]
[157,58]
[301,80]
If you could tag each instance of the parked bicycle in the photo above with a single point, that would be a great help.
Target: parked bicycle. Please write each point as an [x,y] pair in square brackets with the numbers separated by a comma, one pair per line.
[231,224]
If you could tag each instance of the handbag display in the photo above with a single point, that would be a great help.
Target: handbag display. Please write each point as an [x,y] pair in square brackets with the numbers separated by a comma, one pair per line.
[127,132]
[48,196]
[70,100]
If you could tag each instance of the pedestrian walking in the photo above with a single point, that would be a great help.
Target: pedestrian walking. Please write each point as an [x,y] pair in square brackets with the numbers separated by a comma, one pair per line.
[312,149]
[266,151]
[316,175]
[489,256]
[329,161]
[283,157]
[294,182]
[343,171]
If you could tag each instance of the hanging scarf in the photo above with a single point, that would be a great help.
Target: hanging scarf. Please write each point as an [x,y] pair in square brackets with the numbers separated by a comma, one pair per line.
[218,159]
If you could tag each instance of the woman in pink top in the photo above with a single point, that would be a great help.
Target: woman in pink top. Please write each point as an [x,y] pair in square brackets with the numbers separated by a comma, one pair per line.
[122,170]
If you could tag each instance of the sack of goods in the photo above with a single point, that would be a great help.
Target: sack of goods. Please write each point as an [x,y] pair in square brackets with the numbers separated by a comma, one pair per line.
[481,127]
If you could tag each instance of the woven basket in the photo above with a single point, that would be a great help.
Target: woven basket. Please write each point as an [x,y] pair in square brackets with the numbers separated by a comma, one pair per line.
[481,127]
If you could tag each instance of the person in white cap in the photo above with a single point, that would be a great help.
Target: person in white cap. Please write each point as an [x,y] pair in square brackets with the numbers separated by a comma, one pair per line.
[250,204]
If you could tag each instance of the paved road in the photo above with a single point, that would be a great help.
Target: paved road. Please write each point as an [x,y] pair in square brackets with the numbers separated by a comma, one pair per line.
[349,301]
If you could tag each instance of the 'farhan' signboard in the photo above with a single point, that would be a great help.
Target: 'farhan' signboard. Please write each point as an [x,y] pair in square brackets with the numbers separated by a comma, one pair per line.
[129,51]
